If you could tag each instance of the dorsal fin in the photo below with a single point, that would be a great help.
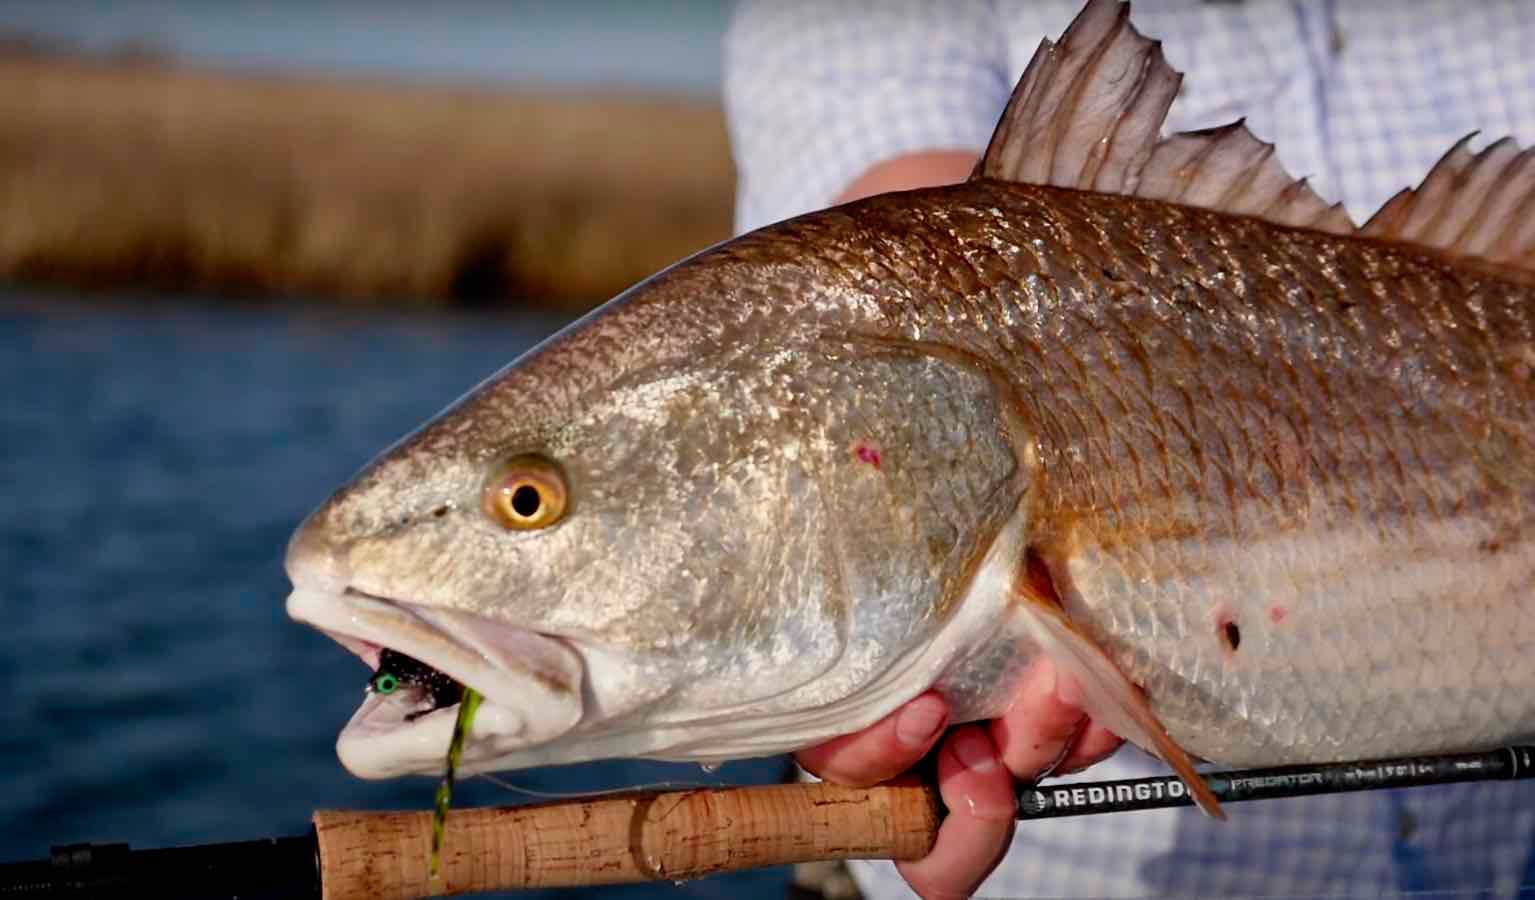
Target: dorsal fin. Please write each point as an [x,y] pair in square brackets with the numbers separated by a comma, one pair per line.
[1088,113]
[1479,205]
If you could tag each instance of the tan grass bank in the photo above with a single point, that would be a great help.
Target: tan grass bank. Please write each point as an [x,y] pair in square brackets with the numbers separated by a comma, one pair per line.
[141,173]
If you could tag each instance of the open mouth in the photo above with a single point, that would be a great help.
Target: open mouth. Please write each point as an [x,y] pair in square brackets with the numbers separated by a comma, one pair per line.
[431,689]
[422,658]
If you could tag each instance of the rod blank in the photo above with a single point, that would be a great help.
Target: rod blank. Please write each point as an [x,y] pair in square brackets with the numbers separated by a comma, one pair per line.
[1163,791]
[248,870]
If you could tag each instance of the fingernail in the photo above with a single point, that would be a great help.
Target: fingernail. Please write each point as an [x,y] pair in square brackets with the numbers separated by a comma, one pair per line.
[976,751]
[920,720]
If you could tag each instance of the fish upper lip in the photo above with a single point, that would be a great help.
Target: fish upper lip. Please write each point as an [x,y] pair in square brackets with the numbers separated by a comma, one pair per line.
[360,622]
[531,681]
[369,651]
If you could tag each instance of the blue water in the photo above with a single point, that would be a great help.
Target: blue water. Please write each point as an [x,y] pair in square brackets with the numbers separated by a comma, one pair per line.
[154,460]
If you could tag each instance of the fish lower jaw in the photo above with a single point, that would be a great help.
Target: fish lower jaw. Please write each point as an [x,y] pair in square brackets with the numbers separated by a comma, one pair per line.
[532,683]
[380,742]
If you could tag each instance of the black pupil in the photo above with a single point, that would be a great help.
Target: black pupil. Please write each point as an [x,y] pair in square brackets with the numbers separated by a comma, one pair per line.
[526,501]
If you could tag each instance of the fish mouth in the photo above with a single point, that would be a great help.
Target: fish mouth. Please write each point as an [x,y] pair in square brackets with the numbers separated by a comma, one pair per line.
[532,683]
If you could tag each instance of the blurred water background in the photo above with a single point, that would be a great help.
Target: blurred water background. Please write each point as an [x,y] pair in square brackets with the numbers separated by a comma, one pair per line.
[158,443]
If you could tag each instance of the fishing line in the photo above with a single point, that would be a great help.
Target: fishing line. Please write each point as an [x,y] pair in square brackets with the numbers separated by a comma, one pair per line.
[607,792]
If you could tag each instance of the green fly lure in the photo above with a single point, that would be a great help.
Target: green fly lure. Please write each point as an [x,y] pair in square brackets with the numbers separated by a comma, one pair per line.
[466,710]
[396,671]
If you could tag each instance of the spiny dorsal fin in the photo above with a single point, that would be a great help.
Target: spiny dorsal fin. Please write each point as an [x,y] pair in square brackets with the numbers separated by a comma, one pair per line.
[1229,169]
[1472,205]
[1088,112]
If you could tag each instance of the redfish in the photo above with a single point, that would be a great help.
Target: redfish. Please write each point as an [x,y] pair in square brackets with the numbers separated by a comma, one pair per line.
[1262,480]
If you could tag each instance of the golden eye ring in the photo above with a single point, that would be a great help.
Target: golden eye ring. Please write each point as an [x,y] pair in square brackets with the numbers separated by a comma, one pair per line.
[526,493]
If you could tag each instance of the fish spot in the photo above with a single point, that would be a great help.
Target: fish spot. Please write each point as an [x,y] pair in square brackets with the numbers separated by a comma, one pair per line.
[1491,546]
[439,512]
[1231,636]
[1226,629]
[1277,614]
[868,453]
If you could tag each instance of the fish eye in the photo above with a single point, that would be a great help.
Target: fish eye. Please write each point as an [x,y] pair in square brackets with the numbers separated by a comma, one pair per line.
[525,493]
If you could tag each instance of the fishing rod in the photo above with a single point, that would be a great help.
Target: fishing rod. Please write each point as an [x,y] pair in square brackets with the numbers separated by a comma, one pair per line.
[653,835]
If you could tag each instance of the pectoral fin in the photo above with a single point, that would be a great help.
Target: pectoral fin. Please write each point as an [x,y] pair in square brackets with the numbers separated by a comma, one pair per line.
[1109,697]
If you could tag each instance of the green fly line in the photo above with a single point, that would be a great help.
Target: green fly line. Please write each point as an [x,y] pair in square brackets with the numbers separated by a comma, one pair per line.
[466,710]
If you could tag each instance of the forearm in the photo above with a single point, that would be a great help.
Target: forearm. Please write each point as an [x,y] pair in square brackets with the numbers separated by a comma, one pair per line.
[913,170]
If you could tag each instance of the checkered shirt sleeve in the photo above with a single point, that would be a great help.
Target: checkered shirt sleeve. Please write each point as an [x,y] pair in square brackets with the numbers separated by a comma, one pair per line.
[818,92]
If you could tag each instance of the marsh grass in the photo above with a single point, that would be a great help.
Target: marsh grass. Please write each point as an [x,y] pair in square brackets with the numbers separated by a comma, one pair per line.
[141,173]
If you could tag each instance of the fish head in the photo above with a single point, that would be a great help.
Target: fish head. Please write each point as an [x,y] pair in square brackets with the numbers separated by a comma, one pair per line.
[685,528]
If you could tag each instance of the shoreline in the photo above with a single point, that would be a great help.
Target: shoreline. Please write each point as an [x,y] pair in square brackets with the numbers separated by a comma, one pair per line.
[143,174]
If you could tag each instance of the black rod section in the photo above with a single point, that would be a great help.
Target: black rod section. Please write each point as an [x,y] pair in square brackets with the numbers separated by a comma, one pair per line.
[1051,801]
[249,870]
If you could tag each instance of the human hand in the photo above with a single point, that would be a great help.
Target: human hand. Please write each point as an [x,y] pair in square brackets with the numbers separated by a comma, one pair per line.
[1044,730]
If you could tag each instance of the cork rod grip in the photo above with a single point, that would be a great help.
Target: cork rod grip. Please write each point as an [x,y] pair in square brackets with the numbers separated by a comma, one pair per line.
[639,836]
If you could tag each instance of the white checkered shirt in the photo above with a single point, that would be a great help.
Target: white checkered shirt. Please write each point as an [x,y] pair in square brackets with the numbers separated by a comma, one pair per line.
[1361,95]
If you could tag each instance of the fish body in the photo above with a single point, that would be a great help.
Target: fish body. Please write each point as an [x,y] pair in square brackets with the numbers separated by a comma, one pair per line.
[1285,479]
[1263,482]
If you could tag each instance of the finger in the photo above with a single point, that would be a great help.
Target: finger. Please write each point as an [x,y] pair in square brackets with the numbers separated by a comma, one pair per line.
[1044,723]
[977,789]
[883,750]
[1092,746]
